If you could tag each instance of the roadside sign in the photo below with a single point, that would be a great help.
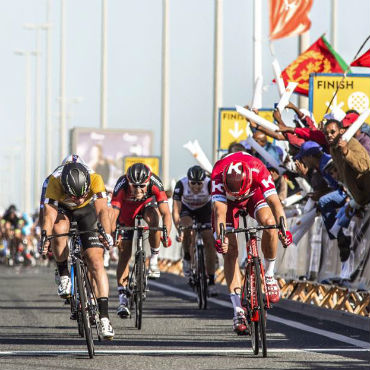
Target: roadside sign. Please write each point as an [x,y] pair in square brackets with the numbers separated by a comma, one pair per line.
[353,92]
[152,162]
[232,126]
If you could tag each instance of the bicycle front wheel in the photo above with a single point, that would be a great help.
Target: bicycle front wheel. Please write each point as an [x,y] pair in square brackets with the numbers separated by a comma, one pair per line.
[261,306]
[201,279]
[139,289]
[84,308]
[247,305]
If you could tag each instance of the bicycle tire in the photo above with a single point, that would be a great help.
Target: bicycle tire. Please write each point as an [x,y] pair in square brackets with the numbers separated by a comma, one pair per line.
[81,283]
[139,289]
[261,305]
[201,279]
[246,303]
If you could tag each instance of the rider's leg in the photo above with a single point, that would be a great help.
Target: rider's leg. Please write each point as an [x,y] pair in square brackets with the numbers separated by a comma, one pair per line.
[95,265]
[151,216]
[210,251]
[124,255]
[269,244]
[186,245]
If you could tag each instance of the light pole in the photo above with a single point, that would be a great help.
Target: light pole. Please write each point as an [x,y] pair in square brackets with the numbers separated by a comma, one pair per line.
[28,151]
[103,72]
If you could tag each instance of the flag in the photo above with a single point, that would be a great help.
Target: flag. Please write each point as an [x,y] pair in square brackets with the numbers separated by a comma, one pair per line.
[320,57]
[289,17]
[362,61]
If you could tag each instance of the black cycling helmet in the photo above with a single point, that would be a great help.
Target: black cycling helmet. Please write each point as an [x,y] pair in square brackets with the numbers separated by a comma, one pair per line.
[196,173]
[75,179]
[138,174]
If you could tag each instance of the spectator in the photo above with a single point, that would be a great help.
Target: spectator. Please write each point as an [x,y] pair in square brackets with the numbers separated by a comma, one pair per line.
[281,184]
[362,137]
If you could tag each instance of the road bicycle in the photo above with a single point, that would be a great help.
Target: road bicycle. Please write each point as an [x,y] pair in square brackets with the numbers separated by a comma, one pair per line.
[198,278]
[138,277]
[84,306]
[253,301]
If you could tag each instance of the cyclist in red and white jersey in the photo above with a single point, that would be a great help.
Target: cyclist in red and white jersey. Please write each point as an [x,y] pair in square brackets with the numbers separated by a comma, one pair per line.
[139,191]
[241,181]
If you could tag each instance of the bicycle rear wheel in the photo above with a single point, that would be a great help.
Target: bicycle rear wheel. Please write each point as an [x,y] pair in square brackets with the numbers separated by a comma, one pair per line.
[201,279]
[84,308]
[261,305]
[139,289]
[246,303]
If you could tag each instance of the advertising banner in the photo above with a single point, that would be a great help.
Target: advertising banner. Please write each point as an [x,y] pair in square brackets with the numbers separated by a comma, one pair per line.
[353,93]
[152,162]
[104,149]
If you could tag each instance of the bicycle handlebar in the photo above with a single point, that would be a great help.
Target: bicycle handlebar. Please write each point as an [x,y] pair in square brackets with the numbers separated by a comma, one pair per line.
[198,227]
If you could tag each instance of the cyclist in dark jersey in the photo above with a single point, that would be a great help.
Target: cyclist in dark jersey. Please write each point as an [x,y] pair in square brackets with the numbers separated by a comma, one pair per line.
[192,200]
[139,191]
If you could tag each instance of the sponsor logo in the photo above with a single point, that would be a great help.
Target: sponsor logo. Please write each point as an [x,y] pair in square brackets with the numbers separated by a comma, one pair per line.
[268,183]
[234,167]
[219,187]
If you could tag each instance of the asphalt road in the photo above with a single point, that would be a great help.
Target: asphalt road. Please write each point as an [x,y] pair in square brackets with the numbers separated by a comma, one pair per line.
[36,332]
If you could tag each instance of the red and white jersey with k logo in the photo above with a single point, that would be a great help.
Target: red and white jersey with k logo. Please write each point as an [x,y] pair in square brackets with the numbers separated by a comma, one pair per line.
[261,177]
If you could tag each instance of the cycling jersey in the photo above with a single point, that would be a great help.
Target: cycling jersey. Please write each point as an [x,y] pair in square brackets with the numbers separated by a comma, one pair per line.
[261,177]
[55,194]
[185,195]
[124,199]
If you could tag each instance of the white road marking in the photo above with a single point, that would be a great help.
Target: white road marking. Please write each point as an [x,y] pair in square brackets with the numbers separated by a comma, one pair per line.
[291,323]
[176,351]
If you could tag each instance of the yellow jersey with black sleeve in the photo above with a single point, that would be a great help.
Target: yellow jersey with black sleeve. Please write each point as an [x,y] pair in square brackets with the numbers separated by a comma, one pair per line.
[55,194]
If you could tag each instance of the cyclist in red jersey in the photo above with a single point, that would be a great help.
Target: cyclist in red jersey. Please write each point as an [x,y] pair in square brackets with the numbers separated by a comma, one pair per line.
[241,181]
[139,191]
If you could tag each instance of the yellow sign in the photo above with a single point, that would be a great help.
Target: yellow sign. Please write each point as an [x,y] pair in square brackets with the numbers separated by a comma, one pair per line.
[353,93]
[151,162]
[232,126]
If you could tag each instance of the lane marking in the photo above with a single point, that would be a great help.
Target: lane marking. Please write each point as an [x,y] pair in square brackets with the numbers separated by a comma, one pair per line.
[176,351]
[291,323]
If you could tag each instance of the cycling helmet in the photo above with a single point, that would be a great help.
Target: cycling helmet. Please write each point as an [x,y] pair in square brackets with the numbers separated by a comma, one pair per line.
[75,179]
[237,179]
[196,173]
[138,174]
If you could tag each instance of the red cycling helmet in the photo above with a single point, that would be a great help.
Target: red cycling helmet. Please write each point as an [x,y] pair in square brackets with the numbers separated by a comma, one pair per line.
[237,179]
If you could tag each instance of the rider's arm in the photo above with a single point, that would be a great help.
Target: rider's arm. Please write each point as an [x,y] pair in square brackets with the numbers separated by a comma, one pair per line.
[101,207]
[49,218]
[166,215]
[176,209]
[277,209]
[219,213]
[114,219]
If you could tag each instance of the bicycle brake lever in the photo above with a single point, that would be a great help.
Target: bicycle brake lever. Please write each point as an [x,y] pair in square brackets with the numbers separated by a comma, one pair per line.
[222,233]
[282,226]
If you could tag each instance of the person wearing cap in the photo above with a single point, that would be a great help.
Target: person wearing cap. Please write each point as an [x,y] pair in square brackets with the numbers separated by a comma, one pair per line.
[362,137]
[352,161]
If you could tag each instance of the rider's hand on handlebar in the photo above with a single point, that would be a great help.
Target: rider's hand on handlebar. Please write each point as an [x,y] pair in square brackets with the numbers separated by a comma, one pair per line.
[44,247]
[180,237]
[166,242]
[222,248]
[286,241]
[108,241]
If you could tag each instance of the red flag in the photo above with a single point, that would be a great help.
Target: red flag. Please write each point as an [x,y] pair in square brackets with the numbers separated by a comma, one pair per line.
[320,57]
[362,61]
[289,17]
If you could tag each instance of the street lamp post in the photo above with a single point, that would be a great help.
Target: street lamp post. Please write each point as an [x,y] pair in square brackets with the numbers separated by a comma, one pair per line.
[103,72]
[27,152]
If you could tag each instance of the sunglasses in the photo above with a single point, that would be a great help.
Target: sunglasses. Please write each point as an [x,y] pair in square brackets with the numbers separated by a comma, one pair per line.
[141,186]
[196,182]
[330,132]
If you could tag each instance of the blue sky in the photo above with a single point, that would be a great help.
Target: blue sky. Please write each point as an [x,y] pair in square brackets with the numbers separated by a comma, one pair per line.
[134,67]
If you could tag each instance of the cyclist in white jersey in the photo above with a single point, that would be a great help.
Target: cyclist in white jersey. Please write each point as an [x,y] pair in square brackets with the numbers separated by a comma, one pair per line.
[192,200]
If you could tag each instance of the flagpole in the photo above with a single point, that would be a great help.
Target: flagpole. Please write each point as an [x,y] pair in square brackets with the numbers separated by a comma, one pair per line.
[334,24]
[303,44]
[257,40]
[217,82]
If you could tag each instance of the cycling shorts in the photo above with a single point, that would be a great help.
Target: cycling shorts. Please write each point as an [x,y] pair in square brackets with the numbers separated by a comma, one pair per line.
[86,219]
[201,215]
[252,205]
[129,212]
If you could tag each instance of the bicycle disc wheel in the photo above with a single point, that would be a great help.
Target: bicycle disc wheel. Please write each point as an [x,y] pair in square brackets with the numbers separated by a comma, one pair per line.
[246,303]
[81,283]
[201,279]
[261,304]
[139,294]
